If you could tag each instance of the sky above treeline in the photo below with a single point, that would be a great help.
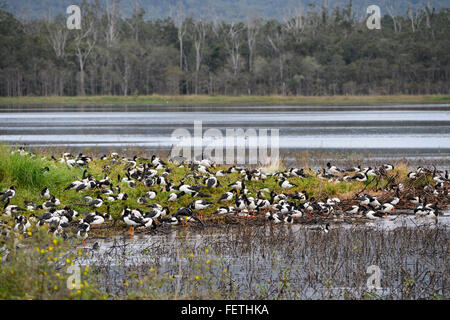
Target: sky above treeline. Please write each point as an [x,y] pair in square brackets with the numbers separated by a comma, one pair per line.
[221,9]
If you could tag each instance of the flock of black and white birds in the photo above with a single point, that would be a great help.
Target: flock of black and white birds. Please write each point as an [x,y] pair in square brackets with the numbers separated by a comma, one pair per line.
[274,199]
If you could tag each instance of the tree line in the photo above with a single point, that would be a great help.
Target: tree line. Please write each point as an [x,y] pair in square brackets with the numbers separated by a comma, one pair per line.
[325,51]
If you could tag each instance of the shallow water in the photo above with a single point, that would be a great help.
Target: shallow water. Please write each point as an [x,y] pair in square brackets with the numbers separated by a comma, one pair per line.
[259,257]
[397,130]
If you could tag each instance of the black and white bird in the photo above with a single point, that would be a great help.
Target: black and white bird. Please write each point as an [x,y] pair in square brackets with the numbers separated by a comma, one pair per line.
[238,185]
[387,208]
[285,184]
[333,169]
[225,210]
[133,218]
[273,217]
[8,194]
[21,224]
[323,229]
[227,196]
[151,195]
[373,202]
[45,193]
[96,218]
[352,210]
[412,175]
[189,190]
[188,213]
[415,200]
[372,215]
[96,202]
[211,182]
[360,176]
[363,200]
[83,230]
[175,196]
[201,205]
[52,203]
[9,210]
[394,200]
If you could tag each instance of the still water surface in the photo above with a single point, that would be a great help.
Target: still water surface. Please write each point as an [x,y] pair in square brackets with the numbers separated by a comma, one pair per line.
[397,130]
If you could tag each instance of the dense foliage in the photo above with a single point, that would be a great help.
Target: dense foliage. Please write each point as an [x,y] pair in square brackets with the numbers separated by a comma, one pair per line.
[316,51]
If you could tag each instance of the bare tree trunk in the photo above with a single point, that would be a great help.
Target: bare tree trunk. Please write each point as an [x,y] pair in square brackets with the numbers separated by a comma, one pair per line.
[177,14]
[233,44]
[276,45]
[252,31]
[199,34]
[112,10]
[83,53]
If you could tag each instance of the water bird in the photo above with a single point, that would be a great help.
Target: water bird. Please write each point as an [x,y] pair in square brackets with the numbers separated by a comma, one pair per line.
[237,185]
[360,176]
[21,224]
[45,193]
[352,210]
[8,194]
[227,196]
[175,196]
[323,229]
[188,213]
[10,210]
[285,184]
[83,230]
[333,169]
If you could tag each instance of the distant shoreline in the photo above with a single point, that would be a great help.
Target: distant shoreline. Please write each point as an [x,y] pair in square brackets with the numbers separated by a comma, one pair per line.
[224,100]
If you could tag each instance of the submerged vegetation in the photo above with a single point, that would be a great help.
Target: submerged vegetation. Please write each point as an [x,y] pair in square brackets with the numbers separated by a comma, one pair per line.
[226,256]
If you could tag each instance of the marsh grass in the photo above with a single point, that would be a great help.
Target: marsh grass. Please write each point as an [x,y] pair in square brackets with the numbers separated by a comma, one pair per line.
[233,100]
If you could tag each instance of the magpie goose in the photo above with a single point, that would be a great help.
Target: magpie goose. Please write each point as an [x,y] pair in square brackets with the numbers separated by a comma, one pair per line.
[360,176]
[211,182]
[238,185]
[387,208]
[10,210]
[363,200]
[21,224]
[175,196]
[273,217]
[323,229]
[352,210]
[8,194]
[45,193]
[201,204]
[83,230]
[188,213]
[285,184]
[333,169]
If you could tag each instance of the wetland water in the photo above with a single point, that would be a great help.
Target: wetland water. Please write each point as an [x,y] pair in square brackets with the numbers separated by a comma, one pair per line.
[285,261]
[395,131]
